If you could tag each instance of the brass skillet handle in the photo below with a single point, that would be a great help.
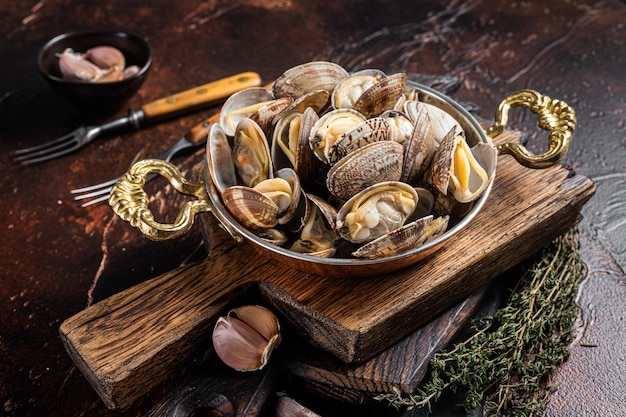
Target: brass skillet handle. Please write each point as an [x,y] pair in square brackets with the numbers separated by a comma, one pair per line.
[555,116]
[130,202]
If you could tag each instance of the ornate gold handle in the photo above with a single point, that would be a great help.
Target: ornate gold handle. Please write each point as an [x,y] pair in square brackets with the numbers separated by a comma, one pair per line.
[130,202]
[555,116]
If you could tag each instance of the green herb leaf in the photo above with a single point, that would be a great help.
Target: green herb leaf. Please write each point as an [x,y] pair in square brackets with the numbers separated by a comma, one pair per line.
[508,361]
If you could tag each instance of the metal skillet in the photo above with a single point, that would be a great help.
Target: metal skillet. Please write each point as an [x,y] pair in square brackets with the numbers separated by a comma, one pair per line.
[130,202]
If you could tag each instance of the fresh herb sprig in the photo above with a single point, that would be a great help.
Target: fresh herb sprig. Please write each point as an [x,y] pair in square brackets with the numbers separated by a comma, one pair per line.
[509,359]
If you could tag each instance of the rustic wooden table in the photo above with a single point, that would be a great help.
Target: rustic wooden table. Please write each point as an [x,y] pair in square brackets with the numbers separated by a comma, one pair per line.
[57,258]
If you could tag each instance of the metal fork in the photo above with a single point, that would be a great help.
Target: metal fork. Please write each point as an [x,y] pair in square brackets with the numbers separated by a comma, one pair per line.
[194,98]
[196,137]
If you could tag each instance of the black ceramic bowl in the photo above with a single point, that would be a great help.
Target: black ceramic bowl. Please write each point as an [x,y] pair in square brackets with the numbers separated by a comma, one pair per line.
[91,95]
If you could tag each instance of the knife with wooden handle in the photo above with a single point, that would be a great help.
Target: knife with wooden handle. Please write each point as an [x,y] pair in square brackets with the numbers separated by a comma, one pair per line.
[170,106]
[195,97]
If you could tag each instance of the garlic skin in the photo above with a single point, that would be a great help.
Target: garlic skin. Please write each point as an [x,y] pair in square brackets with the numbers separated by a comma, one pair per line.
[246,337]
[99,64]
[106,57]
[74,66]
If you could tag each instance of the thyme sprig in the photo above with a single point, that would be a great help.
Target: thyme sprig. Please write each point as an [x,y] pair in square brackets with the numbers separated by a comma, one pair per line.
[509,359]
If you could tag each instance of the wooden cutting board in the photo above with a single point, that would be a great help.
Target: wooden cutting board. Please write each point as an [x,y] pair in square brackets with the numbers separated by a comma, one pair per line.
[128,343]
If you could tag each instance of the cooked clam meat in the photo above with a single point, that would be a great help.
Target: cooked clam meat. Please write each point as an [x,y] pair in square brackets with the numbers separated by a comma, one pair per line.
[400,126]
[409,236]
[318,236]
[278,190]
[241,105]
[287,136]
[350,89]
[375,211]
[456,167]
[251,153]
[362,141]
[329,128]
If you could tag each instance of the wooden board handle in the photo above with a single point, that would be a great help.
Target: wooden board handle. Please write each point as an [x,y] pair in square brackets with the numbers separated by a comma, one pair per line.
[126,344]
[201,95]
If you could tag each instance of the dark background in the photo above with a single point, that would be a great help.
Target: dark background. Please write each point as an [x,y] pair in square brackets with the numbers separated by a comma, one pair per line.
[51,249]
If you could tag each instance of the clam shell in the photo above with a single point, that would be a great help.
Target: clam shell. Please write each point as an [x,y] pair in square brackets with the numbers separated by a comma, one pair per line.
[241,105]
[441,121]
[461,170]
[251,153]
[279,190]
[371,164]
[400,126]
[318,236]
[290,143]
[381,96]
[251,208]
[311,76]
[292,178]
[407,237]
[376,210]
[348,91]
[219,159]
[273,236]
[420,148]
[267,114]
[369,131]
[317,100]
[329,128]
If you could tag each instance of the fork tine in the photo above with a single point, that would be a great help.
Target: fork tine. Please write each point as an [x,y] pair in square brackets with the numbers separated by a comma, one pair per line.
[102,186]
[196,137]
[44,146]
[50,153]
[96,200]
[102,191]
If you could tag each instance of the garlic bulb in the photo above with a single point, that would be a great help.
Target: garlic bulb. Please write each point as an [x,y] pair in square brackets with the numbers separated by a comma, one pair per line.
[246,337]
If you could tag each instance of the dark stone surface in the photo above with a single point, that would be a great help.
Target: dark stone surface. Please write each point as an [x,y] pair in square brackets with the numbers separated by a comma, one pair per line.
[51,257]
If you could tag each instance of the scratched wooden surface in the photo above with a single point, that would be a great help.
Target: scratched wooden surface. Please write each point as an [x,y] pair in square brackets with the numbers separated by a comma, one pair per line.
[56,257]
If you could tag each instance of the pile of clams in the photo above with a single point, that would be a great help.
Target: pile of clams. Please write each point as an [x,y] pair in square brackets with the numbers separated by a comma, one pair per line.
[334,164]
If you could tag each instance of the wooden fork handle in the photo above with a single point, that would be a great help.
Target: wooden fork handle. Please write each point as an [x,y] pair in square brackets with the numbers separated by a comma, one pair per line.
[200,96]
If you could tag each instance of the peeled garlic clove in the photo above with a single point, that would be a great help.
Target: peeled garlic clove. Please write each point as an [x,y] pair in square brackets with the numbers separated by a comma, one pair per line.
[106,57]
[246,337]
[74,66]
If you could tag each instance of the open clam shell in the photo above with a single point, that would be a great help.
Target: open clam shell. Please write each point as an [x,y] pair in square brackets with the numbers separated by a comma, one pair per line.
[375,211]
[381,96]
[295,192]
[373,163]
[290,143]
[401,127]
[465,172]
[317,237]
[250,207]
[441,121]
[420,147]
[350,89]
[241,105]
[405,238]
[369,131]
[251,153]
[329,128]
[311,76]
[265,115]
[219,159]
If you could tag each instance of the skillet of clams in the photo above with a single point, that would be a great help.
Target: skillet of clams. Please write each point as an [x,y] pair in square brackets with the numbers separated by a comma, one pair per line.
[347,170]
